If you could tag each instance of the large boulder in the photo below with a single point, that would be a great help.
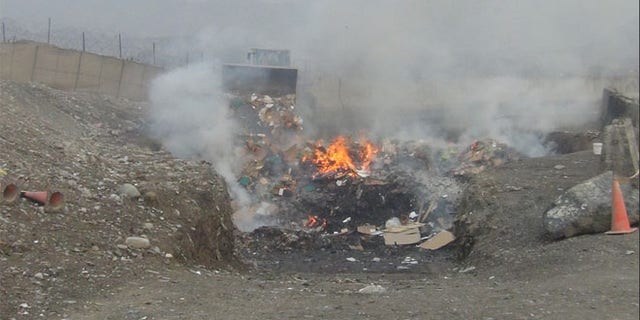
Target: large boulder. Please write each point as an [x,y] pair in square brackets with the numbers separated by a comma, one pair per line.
[586,208]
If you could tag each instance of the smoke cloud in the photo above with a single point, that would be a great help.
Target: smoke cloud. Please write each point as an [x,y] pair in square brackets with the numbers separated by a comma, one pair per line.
[190,116]
[443,70]
[507,70]
[433,70]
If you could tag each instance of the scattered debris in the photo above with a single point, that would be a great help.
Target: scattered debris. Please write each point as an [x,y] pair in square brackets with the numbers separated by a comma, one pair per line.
[373,289]
[467,269]
[409,260]
[438,241]
[369,229]
[482,154]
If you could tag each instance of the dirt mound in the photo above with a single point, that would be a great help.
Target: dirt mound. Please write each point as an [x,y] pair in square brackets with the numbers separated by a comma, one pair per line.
[88,146]
[500,216]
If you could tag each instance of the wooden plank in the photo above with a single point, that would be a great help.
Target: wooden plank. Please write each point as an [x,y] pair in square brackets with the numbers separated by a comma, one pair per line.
[632,142]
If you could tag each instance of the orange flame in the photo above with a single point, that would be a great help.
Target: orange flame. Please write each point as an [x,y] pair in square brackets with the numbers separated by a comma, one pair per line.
[313,222]
[337,157]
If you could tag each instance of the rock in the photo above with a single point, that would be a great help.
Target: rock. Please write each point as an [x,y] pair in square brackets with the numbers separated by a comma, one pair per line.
[586,208]
[150,197]
[137,242]
[86,193]
[373,289]
[147,225]
[559,167]
[39,275]
[129,190]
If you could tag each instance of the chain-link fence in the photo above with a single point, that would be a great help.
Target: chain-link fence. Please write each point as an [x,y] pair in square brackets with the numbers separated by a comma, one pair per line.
[155,51]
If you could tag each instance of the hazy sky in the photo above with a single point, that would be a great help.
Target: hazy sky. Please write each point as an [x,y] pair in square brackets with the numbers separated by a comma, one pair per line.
[572,33]
[147,17]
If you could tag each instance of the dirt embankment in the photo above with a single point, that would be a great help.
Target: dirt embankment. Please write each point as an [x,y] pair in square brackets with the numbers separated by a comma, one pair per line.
[87,146]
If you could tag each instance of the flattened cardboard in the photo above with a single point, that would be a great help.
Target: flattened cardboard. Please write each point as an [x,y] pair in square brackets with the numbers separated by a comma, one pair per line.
[367,229]
[410,236]
[438,241]
[402,228]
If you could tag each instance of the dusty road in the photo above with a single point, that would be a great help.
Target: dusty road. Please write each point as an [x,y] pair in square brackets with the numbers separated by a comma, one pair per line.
[591,277]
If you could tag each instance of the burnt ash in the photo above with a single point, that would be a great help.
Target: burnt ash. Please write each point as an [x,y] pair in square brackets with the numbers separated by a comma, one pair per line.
[364,200]
[281,250]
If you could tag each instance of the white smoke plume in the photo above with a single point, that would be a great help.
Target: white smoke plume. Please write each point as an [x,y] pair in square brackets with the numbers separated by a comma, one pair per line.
[433,70]
[190,116]
[505,70]
[475,68]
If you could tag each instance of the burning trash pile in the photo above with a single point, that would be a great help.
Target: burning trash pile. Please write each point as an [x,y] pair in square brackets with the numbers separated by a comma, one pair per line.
[482,154]
[350,185]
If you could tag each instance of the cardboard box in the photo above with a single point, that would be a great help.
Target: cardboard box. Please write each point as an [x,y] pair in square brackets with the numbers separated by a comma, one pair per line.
[400,235]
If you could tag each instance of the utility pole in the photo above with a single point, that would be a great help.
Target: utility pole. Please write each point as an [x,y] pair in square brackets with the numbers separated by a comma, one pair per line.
[120,45]
[49,32]
[4,39]
[83,41]
[154,53]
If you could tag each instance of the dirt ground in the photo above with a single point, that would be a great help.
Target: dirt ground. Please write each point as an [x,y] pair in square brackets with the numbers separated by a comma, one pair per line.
[73,265]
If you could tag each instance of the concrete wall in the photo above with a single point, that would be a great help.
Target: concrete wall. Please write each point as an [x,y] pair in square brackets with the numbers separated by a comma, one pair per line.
[616,105]
[75,70]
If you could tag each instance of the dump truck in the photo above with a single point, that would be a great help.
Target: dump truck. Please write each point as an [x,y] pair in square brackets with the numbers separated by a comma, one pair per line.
[266,71]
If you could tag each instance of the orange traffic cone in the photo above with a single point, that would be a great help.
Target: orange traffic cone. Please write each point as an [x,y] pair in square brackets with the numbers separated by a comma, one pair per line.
[37,196]
[619,218]
[56,201]
[9,193]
